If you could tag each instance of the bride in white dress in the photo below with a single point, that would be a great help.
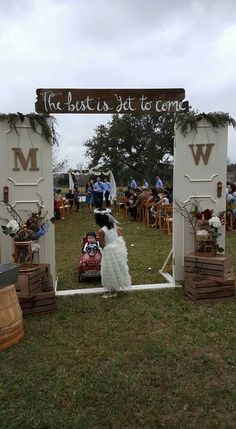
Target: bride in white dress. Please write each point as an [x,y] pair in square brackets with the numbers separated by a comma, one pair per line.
[114,267]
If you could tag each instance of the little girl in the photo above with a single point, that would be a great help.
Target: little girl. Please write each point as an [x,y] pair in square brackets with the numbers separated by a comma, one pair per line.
[114,267]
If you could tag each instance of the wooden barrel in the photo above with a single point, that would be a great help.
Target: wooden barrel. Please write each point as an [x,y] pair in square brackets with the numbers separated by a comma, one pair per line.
[11,323]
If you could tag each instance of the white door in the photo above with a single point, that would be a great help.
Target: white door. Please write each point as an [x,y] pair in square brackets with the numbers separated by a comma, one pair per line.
[26,169]
[200,162]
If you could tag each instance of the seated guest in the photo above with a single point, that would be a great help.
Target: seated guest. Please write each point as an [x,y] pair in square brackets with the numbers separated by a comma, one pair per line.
[70,198]
[59,205]
[129,194]
[153,195]
[153,198]
[141,198]
[164,200]
[58,195]
[56,210]
[230,191]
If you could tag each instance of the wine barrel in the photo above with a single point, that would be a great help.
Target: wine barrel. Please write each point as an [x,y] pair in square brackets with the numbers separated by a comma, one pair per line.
[11,322]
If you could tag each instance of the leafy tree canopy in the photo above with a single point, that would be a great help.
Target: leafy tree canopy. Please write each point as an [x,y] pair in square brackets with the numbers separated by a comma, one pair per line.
[134,145]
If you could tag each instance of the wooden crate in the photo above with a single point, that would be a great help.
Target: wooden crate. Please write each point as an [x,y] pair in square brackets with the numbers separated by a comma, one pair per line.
[44,302]
[30,283]
[201,288]
[48,281]
[213,267]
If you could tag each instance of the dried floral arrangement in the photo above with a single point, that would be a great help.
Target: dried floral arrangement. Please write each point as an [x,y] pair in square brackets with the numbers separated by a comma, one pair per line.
[32,228]
[205,225]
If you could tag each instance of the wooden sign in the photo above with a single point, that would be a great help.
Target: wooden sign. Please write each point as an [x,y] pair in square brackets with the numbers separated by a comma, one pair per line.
[110,101]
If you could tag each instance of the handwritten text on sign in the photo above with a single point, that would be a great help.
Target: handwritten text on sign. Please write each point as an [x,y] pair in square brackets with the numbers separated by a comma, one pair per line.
[110,100]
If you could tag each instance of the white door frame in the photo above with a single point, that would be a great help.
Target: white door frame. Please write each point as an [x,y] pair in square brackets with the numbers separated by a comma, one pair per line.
[191,179]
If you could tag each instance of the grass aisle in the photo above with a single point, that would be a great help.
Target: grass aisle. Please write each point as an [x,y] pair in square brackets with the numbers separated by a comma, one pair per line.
[145,360]
[147,249]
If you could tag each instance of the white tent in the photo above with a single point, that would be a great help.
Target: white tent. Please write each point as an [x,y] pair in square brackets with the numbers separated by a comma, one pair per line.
[95,173]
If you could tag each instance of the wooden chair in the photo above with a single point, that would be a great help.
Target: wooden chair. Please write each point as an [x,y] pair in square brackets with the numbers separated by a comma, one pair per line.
[168,227]
[61,208]
[71,203]
[141,211]
[161,217]
[139,215]
[121,204]
[67,207]
[164,219]
[147,217]
[158,220]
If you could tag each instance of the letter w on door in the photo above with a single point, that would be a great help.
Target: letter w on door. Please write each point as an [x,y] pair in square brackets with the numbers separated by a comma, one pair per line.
[199,153]
[31,158]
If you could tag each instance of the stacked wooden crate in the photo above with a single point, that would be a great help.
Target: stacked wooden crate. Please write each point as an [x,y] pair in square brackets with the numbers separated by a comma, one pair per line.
[35,291]
[208,278]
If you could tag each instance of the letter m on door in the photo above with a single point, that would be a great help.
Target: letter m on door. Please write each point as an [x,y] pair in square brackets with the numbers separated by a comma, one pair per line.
[200,153]
[25,162]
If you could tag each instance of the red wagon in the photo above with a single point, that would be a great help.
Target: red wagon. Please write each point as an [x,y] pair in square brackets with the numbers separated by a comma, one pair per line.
[89,263]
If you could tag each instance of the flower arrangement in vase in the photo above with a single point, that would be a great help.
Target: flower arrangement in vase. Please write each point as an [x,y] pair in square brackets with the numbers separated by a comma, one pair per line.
[25,232]
[205,226]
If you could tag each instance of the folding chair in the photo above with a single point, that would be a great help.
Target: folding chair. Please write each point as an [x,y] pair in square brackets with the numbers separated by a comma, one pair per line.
[168,227]
[164,218]
[147,219]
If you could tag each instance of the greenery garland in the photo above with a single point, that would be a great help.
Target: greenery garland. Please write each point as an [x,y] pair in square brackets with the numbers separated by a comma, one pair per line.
[48,131]
[188,122]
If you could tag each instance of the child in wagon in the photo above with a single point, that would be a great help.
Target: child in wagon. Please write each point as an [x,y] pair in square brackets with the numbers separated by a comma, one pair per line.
[92,245]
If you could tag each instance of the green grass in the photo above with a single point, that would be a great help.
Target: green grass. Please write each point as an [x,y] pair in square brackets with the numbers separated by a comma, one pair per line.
[144,264]
[145,360]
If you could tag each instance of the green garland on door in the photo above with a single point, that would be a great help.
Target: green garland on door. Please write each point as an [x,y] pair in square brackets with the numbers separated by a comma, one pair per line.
[35,120]
[185,121]
[188,122]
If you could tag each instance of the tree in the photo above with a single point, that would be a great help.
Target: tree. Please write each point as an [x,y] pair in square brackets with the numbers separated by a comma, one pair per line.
[231,166]
[137,145]
[59,165]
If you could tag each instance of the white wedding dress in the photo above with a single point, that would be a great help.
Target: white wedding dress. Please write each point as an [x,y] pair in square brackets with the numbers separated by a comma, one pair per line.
[114,266]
